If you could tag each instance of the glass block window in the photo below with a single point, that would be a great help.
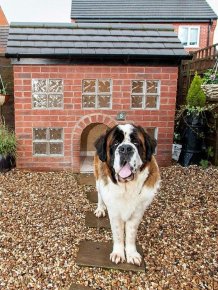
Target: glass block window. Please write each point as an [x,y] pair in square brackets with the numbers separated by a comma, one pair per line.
[97,94]
[47,141]
[47,93]
[145,94]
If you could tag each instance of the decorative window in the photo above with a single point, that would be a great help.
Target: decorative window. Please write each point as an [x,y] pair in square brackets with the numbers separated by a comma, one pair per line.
[189,36]
[96,94]
[47,141]
[145,94]
[47,93]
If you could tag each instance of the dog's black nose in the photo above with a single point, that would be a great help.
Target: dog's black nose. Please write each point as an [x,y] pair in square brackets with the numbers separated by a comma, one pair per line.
[125,149]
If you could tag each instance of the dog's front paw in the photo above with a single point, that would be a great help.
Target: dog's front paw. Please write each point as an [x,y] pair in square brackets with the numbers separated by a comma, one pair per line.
[133,257]
[100,212]
[117,257]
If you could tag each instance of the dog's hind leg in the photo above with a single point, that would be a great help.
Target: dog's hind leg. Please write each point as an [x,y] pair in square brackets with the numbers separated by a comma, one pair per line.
[101,208]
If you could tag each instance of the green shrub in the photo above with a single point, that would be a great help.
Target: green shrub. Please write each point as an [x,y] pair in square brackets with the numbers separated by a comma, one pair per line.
[7,141]
[196,97]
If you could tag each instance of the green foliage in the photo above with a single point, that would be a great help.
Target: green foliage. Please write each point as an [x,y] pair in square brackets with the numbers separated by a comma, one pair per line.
[196,97]
[210,77]
[7,141]
[3,89]
[205,162]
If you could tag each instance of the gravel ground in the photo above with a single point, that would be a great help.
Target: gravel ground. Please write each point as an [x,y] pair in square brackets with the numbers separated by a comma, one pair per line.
[42,221]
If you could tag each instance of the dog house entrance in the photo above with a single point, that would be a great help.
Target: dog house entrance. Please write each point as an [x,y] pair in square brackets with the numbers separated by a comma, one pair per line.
[87,149]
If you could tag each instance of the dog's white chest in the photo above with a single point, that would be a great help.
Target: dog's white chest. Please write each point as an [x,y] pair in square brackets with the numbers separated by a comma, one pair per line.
[125,199]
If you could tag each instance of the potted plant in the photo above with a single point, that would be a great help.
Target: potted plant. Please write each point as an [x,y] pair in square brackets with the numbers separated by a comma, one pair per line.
[4,95]
[210,83]
[7,148]
[193,121]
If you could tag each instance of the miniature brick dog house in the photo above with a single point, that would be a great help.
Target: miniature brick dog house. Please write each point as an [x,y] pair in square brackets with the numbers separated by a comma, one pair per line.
[68,76]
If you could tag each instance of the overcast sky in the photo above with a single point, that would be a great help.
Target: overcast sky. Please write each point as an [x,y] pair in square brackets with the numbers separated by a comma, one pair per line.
[36,10]
[51,10]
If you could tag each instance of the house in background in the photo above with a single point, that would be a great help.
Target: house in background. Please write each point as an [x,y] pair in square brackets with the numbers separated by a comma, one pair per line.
[194,21]
[6,72]
[72,81]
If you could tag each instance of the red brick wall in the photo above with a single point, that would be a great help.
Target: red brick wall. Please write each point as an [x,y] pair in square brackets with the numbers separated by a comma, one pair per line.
[73,119]
[3,19]
[203,40]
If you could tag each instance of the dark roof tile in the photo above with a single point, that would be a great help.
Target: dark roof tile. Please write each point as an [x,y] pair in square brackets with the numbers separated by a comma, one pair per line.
[141,10]
[107,39]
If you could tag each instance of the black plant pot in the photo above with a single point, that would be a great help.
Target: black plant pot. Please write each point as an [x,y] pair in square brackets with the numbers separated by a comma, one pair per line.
[192,139]
[6,163]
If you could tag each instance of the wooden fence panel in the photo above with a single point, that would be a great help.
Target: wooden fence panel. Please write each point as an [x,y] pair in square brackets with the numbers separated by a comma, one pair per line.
[202,60]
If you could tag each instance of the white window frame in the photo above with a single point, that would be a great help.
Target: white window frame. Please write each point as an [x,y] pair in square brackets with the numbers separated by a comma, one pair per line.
[189,27]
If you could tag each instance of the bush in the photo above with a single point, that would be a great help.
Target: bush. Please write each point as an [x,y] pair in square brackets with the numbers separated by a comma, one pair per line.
[195,96]
[7,141]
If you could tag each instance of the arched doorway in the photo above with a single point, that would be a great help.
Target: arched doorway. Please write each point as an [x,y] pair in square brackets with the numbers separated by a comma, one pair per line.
[87,149]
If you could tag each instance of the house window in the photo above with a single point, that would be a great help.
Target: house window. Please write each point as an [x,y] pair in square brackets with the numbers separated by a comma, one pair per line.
[189,36]
[96,94]
[47,141]
[145,94]
[47,93]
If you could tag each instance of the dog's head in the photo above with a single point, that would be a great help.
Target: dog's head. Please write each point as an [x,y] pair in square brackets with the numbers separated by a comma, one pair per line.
[126,149]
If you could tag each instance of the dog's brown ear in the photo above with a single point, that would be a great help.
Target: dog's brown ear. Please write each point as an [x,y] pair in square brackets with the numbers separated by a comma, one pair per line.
[150,144]
[100,145]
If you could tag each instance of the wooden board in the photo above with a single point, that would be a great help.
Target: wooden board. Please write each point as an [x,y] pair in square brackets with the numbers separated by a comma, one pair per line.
[96,254]
[86,179]
[92,221]
[79,287]
[92,196]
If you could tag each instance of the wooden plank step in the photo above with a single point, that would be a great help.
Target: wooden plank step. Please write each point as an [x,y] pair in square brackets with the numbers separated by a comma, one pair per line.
[92,221]
[79,287]
[86,179]
[96,254]
[92,196]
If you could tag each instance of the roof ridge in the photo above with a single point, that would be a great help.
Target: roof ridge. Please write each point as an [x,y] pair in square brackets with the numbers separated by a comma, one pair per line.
[120,26]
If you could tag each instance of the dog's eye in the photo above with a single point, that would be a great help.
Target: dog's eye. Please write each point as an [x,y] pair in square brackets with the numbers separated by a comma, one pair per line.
[116,143]
[135,143]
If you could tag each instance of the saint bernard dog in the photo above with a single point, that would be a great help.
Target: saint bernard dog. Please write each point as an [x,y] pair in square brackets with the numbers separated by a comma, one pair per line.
[127,178]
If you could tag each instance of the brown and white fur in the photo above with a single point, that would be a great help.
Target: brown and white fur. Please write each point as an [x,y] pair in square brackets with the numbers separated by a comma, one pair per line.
[127,178]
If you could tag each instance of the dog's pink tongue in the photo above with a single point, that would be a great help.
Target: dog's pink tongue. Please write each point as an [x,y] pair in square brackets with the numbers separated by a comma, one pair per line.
[125,171]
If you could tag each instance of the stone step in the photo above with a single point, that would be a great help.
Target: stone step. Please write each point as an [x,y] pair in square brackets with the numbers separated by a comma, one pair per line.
[92,221]
[92,196]
[79,287]
[96,254]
